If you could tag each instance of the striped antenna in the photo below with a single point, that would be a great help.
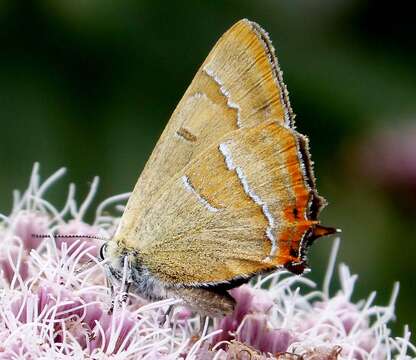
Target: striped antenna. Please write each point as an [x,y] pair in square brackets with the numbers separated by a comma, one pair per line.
[67,236]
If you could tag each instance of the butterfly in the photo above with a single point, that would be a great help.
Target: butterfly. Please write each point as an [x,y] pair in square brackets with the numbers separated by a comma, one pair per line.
[229,190]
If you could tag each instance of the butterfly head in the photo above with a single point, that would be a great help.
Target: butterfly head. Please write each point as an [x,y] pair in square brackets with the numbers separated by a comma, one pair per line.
[113,259]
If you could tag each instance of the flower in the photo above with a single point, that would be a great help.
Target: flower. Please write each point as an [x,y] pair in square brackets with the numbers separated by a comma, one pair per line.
[55,302]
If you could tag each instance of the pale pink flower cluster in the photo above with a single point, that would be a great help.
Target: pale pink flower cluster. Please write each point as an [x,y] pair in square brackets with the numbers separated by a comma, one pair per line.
[54,301]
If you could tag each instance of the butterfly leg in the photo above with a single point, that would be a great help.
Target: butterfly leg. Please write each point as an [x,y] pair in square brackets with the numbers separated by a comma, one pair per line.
[125,295]
[203,319]
[166,317]
[169,313]
[112,292]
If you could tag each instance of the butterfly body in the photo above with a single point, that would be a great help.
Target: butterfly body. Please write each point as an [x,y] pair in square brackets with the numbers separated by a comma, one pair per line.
[229,190]
[210,301]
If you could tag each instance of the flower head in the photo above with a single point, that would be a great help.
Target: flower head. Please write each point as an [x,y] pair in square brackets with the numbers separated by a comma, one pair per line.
[55,302]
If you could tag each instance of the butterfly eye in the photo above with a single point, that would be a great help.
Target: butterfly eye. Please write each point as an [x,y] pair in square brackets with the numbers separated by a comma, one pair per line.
[103,250]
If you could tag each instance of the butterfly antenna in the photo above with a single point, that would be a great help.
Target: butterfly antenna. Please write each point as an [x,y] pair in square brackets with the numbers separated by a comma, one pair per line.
[67,236]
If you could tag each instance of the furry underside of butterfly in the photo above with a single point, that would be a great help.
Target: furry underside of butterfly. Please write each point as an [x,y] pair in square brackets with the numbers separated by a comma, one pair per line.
[229,191]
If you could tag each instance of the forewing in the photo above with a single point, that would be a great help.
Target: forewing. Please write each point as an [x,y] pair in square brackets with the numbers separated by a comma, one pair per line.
[239,85]
[240,208]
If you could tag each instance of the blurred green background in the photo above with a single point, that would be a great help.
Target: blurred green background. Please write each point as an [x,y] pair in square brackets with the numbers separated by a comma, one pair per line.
[90,85]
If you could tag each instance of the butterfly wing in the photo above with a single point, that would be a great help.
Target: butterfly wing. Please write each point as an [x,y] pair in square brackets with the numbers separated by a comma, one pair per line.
[239,85]
[242,207]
